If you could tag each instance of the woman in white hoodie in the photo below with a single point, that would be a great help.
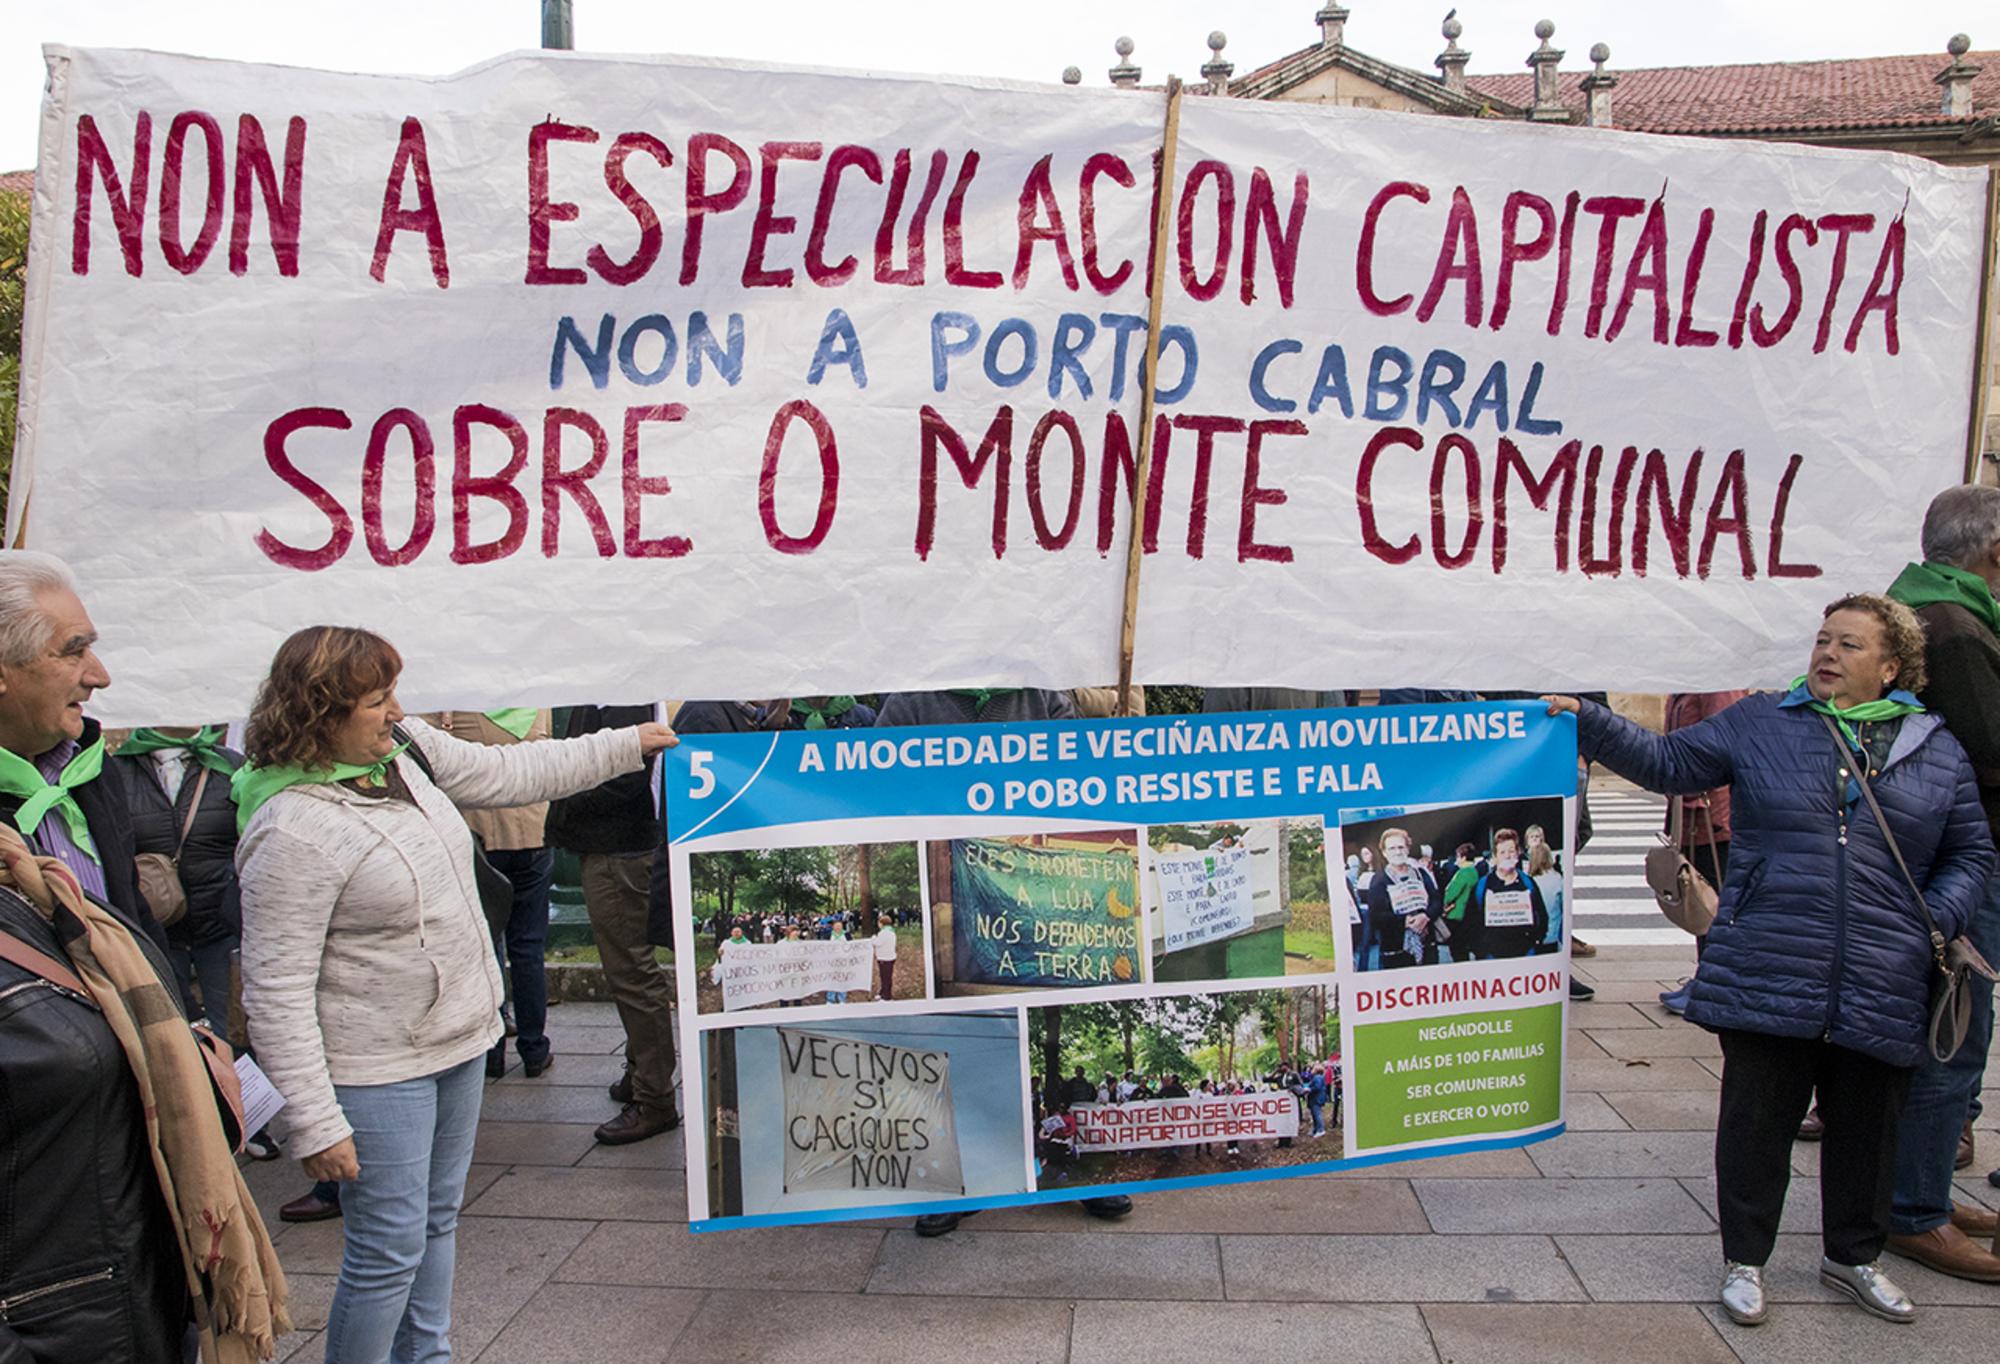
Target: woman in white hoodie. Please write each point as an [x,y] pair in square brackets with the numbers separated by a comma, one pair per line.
[368,973]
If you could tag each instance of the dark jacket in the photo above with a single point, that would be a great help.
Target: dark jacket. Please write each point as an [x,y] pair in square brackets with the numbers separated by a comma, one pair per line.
[1484,940]
[694,717]
[1387,925]
[208,860]
[1963,659]
[89,1269]
[1814,937]
[949,708]
[110,821]
[617,816]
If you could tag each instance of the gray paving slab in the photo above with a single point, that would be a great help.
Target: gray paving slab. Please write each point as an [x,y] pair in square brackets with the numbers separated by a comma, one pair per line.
[1711,1064]
[668,1151]
[1555,1205]
[1584,1111]
[583,1013]
[838,1259]
[548,1103]
[595,1195]
[501,1262]
[1048,1264]
[1535,1333]
[304,1346]
[1594,1014]
[1580,1047]
[1380,1269]
[1846,1335]
[1668,1072]
[814,1328]
[1665,1110]
[1679,1040]
[1327,1333]
[532,1143]
[603,1323]
[1687,1268]
[1509,1162]
[1801,1213]
[1314,1203]
[1614,1154]
[1640,992]
[575,1068]
[567,1039]
[1664,969]
[309,1297]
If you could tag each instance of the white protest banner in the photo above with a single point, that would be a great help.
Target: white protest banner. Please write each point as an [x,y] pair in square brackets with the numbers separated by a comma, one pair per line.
[1146,1123]
[1204,896]
[574,373]
[762,973]
[867,1115]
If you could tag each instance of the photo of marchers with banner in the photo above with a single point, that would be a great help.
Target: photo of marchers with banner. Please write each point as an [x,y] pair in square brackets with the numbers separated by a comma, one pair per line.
[1180,1085]
[1476,882]
[1238,901]
[778,927]
[864,1112]
[1037,911]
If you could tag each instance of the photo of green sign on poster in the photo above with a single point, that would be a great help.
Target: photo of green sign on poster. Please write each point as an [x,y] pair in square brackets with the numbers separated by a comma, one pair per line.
[1043,913]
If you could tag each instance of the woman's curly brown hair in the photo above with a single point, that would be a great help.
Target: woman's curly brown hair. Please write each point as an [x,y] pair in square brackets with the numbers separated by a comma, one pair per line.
[317,678]
[1900,628]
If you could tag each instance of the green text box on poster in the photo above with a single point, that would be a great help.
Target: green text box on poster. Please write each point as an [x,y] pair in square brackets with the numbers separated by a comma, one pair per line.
[1423,1079]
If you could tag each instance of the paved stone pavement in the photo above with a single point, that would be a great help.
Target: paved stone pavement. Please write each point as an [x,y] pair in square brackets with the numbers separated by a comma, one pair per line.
[1599,1244]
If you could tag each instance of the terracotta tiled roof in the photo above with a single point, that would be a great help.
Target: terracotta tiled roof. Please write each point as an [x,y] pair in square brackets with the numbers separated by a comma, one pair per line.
[17,182]
[1867,92]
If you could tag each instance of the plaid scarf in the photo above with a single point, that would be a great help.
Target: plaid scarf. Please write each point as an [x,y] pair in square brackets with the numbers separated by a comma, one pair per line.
[232,1272]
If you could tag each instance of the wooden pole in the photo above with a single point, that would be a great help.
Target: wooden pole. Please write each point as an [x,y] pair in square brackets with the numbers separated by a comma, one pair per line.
[1982,346]
[1142,472]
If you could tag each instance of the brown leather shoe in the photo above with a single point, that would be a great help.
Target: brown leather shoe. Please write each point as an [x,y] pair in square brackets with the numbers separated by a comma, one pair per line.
[1975,1221]
[1965,1152]
[621,1088]
[635,1123]
[309,1209]
[1579,948]
[1949,1251]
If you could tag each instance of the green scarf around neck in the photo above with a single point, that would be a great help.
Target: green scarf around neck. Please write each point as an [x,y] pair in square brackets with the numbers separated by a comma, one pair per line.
[19,777]
[516,722]
[1928,583]
[252,786]
[1891,707]
[818,717]
[204,747]
[981,697]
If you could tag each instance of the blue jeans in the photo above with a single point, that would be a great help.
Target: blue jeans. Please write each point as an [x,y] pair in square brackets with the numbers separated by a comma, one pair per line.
[1941,1098]
[392,1304]
[206,965]
[531,870]
[1318,1107]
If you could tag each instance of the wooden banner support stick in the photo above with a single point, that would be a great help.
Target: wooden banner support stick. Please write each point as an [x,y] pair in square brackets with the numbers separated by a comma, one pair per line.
[1982,346]
[1142,472]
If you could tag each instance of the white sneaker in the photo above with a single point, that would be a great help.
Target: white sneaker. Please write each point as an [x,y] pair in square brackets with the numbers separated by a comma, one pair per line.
[1870,1288]
[1743,1293]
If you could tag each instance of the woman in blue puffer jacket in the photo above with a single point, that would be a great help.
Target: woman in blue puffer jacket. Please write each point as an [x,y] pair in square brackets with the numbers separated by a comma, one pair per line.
[1818,969]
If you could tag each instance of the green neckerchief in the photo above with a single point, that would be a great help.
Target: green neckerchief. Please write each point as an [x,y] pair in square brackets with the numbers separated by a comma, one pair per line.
[981,697]
[517,721]
[817,716]
[1927,583]
[1894,706]
[204,747]
[19,777]
[252,785]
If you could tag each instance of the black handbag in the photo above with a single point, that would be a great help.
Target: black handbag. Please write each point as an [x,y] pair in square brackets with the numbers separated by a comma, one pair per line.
[1956,962]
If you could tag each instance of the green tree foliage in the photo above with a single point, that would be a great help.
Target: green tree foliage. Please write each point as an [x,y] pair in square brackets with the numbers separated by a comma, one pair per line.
[788,880]
[892,873]
[1305,848]
[13,289]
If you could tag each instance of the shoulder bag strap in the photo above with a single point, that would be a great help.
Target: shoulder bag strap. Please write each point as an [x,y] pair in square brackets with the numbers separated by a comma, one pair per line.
[194,808]
[1860,770]
[39,963]
[415,752]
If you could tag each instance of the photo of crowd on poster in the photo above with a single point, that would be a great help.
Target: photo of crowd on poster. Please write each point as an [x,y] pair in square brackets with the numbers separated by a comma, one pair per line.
[864,1112]
[785,927]
[1453,883]
[1239,901]
[1035,911]
[1190,1084]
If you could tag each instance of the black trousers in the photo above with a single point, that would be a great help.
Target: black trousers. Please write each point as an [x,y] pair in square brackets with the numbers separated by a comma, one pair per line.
[1767,1085]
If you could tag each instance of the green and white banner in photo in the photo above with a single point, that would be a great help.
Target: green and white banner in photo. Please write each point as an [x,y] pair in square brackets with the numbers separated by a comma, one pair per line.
[1032,916]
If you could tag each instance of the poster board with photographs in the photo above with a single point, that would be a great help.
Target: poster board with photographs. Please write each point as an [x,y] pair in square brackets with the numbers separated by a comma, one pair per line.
[1108,955]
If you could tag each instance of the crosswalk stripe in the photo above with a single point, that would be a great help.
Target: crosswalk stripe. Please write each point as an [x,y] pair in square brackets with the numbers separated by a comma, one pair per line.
[1644,937]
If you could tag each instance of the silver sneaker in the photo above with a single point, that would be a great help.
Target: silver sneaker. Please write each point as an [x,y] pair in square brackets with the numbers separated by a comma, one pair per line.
[1743,1293]
[1873,1290]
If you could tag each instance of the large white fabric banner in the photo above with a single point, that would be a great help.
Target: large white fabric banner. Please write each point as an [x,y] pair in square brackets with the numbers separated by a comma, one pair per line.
[867,1115]
[597,379]
[1204,896]
[763,973]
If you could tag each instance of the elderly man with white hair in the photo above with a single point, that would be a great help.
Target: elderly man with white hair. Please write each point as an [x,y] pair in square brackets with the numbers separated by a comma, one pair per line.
[51,753]
[1952,592]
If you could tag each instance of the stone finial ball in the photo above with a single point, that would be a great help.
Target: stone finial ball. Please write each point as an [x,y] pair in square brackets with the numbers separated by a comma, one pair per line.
[1545,29]
[1600,53]
[1072,75]
[1959,45]
[1217,41]
[1124,47]
[1452,29]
